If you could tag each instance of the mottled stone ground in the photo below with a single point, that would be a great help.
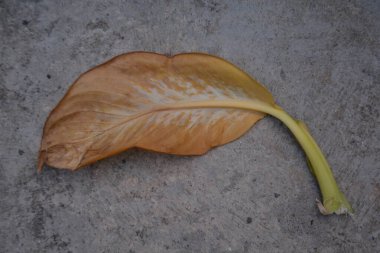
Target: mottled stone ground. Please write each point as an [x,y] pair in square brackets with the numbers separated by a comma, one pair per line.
[320,59]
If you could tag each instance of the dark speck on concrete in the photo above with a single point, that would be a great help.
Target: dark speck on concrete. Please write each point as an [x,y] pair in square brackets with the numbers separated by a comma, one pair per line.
[276,195]
[249,220]
[165,221]
[99,24]
[48,76]
[25,22]
[21,152]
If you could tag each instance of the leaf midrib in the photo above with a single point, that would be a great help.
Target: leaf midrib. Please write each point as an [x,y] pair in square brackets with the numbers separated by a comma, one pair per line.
[206,104]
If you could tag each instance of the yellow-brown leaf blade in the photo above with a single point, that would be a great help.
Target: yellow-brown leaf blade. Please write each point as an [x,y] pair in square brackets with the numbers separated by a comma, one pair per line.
[131,101]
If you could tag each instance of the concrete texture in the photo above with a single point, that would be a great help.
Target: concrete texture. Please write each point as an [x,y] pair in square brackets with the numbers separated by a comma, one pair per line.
[320,59]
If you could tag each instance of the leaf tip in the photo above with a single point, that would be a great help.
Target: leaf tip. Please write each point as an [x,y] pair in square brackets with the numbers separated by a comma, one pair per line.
[41,161]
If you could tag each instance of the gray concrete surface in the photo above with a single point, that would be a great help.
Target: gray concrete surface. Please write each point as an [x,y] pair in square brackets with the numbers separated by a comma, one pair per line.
[320,59]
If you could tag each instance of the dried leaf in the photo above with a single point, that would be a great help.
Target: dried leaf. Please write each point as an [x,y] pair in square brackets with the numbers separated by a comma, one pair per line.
[182,105]
[145,100]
